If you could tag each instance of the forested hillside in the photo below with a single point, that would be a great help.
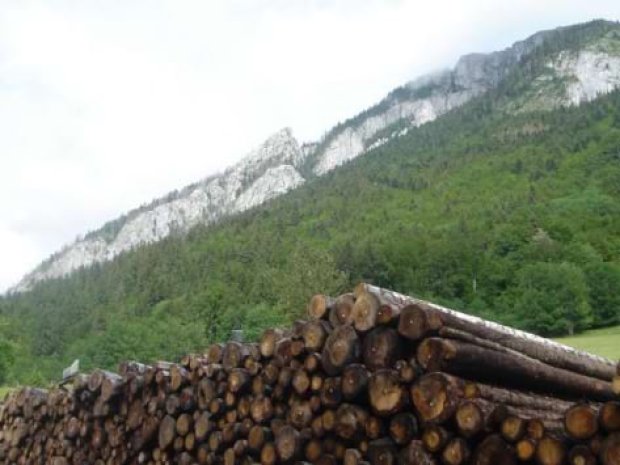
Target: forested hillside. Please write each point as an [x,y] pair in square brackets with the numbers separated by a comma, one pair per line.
[512,217]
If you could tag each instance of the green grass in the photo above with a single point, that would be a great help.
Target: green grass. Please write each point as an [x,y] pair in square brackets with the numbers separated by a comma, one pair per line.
[605,342]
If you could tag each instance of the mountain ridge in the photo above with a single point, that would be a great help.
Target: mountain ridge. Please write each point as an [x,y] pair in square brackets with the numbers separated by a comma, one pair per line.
[281,163]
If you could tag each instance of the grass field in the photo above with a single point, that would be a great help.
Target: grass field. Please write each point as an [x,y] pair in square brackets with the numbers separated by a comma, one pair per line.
[605,342]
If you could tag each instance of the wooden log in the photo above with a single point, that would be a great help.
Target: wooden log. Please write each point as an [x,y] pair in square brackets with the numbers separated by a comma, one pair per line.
[435,438]
[364,313]
[407,371]
[550,451]
[526,450]
[342,311]
[261,409]
[542,349]
[381,348]
[415,454]
[581,422]
[352,457]
[184,424]
[238,380]
[315,334]
[474,417]
[342,347]
[580,454]
[258,436]
[513,428]
[535,429]
[382,452]
[435,397]
[97,377]
[313,450]
[355,382]
[167,429]
[269,454]
[493,450]
[387,396]
[268,341]
[609,416]
[288,443]
[465,359]
[300,414]
[403,428]
[456,452]
[233,355]
[301,382]
[350,422]
[417,321]
[514,398]
[214,353]
[111,385]
[179,377]
[374,427]
[331,392]
[319,307]
[610,450]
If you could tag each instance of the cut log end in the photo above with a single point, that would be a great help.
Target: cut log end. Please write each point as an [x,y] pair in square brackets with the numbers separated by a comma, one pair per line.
[433,398]
[550,451]
[319,306]
[386,394]
[581,422]
[610,450]
[365,311]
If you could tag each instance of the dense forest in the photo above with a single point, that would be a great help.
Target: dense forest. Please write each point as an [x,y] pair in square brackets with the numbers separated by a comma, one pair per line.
[515,217]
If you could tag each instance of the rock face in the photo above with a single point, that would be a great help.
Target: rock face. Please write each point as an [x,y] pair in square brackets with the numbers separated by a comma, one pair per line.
[569,76]
[267,172]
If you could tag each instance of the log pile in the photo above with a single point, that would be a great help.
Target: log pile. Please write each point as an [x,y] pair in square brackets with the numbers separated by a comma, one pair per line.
[372,377]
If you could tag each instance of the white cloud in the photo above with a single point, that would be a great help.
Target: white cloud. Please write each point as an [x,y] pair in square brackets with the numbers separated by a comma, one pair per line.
[106,105]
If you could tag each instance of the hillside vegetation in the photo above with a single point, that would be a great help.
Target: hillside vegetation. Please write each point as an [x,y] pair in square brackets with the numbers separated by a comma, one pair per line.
[512,217]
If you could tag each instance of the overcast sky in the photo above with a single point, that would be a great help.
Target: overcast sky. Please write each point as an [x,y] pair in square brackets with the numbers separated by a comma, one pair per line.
[105,105]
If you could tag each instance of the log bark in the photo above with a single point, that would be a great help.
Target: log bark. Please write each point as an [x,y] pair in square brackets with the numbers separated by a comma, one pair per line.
[542,349]
[465,359]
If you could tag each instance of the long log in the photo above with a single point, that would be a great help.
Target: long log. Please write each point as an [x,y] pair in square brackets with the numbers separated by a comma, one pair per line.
[470,360]
[437,396]
[545,350]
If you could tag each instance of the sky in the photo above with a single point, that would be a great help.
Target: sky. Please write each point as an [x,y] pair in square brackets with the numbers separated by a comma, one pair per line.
[105,106]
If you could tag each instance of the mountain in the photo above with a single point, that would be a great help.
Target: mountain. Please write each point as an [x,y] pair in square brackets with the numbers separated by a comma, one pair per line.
[579,63]
[507,206]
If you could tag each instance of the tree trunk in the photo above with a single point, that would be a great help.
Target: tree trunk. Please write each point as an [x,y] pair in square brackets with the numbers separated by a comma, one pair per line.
[465,359]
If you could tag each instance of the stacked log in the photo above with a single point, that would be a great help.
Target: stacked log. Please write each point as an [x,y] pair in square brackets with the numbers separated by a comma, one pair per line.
[372,377]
